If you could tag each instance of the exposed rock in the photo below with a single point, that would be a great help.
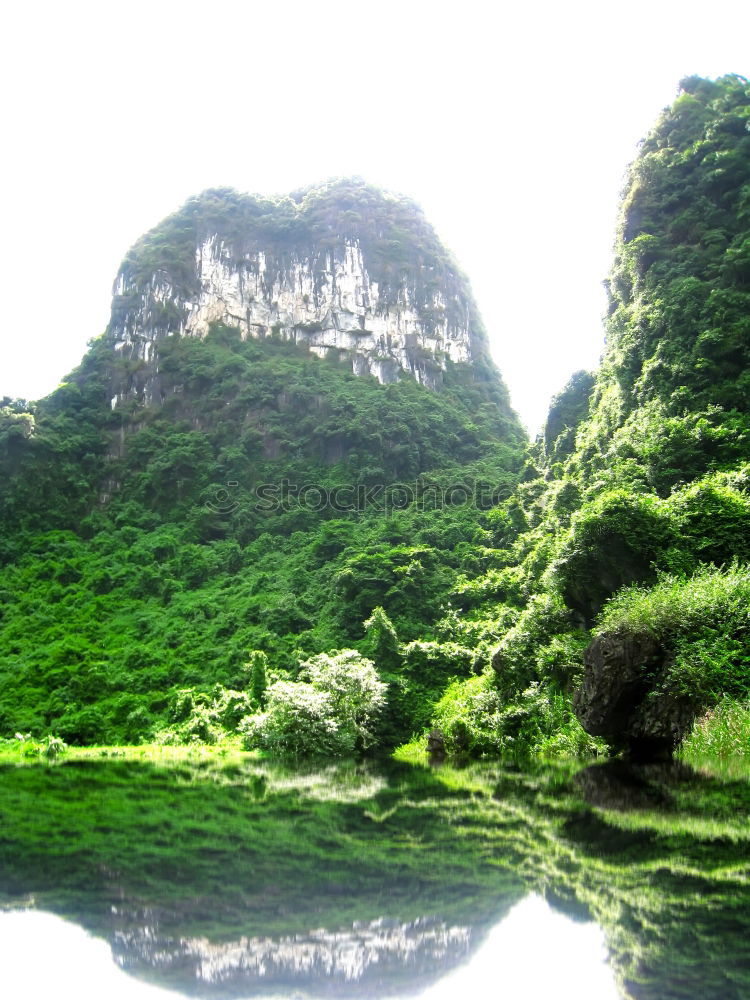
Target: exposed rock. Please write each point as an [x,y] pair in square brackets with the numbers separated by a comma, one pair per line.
[436,744]
[334,307]
[334,291]
[615,681]
[619,701]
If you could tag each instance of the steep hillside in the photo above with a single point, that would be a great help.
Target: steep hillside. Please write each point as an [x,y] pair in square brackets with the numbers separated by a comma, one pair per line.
[641,472]
[673,392]
[205,485]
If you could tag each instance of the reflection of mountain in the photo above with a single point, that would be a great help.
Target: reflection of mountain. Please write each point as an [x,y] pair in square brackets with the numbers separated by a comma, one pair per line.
[381,960]
[216,879]
[375,957]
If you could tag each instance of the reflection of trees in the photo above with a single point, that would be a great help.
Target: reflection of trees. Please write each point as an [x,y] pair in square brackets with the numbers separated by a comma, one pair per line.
[664,862]
[371,877]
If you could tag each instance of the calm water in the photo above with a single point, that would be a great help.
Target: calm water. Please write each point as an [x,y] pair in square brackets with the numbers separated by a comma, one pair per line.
[130,880]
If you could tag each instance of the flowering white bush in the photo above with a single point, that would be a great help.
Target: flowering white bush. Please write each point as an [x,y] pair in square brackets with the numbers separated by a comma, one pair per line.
[330,714]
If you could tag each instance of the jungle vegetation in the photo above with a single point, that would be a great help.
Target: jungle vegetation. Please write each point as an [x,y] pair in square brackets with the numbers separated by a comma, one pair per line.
[140,591]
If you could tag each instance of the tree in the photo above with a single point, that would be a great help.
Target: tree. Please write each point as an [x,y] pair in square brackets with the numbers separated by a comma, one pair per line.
[357,693]
[299,722]
[382,640]
[258,665]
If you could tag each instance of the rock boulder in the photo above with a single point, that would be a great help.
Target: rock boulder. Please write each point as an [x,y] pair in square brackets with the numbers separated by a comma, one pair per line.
[621,699]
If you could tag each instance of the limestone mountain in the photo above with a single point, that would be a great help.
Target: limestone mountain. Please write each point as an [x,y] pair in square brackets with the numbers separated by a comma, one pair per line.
[240,463]
[349,271]
[291,441]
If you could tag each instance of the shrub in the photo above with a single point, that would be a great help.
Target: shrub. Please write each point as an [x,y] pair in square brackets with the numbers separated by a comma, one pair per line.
[182,704]
[468,716]
[232,706]
[258,667]
[516,658]
[614,541]
[84,726]
[357,694]
[201,718]
[381,640]
[711,598]
[299,721]
[50,746]
[714,521]
[330,714]
[201,726]
[433,663]
[138,724]
[500,585]
[474,719]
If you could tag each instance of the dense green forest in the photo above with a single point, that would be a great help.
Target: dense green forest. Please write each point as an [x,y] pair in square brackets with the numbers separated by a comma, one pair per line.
[179,571]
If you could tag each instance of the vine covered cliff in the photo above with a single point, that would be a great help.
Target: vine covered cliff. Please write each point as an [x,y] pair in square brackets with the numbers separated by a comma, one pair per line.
[620,564]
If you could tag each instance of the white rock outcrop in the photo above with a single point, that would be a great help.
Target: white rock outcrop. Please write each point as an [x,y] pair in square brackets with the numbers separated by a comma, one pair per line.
[327,300]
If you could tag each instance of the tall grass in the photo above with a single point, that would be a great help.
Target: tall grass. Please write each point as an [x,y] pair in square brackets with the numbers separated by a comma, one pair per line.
[724,731]
[703,625]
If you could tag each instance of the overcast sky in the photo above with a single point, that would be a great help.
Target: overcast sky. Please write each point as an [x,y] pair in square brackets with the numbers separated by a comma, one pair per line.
[511,125]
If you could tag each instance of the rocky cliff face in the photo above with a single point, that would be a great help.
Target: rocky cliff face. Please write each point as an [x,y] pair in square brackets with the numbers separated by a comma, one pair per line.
[349,271]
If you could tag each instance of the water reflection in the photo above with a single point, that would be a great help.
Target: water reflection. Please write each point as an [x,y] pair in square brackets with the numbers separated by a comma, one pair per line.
[532,953]
[234,879]
[43,957]
[366,957]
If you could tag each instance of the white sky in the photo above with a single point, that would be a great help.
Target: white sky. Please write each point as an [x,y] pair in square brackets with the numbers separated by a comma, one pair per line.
[511,125]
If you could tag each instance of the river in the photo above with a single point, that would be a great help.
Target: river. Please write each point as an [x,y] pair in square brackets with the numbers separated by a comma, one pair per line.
[234,878]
